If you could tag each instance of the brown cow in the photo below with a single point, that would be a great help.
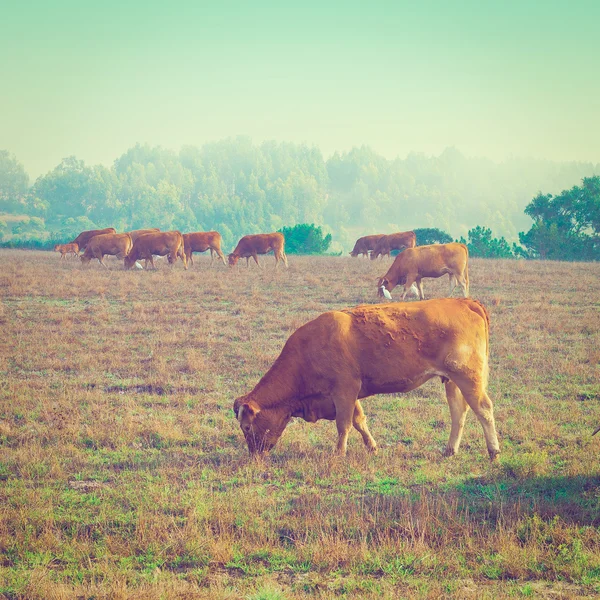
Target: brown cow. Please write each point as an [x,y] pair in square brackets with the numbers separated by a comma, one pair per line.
[261,243]
[114,244]
[394,241]
[135,234]
[332,362]
[65,249]
[161,243]
[436,260]
[83,239]
[201,241]
[365,244]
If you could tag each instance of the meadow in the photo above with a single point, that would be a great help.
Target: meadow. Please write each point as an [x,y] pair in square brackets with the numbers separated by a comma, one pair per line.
[123,472]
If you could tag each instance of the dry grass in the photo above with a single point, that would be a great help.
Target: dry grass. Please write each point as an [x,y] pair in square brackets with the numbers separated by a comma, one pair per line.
[123,473]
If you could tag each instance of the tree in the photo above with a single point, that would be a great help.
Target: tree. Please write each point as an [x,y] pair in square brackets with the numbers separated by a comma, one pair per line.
[567,226]
[13,183]
[305,239]
[481,244]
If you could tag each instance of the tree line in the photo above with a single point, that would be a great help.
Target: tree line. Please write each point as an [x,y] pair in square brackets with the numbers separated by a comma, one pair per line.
[237,187]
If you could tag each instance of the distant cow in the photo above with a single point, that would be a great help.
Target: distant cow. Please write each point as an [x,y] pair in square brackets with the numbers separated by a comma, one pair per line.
[332,362]
[365,244]
[64,249]
[161,243]
[135,234]
[436,260]
[394,241]
[84,237]
[261,243]
[112,244]
[201,241]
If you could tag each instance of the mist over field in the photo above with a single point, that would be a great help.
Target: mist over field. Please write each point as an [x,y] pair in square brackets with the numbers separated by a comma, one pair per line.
[238,187]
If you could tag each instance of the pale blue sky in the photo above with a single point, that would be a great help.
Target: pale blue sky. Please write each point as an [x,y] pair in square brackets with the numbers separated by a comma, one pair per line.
[493,79]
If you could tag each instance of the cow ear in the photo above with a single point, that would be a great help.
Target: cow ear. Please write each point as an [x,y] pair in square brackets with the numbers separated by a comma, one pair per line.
[250,409]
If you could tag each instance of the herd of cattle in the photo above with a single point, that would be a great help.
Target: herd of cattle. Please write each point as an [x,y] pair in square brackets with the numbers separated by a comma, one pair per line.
[329,364]
[408,269]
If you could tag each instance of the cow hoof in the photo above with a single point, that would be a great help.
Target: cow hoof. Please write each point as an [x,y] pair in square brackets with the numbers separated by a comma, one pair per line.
[372,449]
[493,454]
[448,451]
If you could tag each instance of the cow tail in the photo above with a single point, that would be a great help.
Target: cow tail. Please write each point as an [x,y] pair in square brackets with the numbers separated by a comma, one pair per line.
[481,310]
[467,269]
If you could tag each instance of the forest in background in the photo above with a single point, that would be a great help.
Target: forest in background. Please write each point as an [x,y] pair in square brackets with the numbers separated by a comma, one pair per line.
[238,187]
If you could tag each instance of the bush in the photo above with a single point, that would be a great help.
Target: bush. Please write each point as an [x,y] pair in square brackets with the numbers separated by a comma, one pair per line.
[305,239]
[432,235]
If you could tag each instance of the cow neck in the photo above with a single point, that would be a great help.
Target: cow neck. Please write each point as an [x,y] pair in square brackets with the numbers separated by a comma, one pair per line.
[279,387]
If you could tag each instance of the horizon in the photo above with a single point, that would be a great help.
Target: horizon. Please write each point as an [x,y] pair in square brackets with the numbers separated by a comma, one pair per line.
[490,81]
[326,157]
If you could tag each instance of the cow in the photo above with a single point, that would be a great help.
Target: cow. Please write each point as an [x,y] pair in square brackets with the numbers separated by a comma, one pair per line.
[261,243]
[365,244]
[332,362]
[83,239]
[114,244]
[435,260]
[135,234]
[394,241]
[160,243]
[64,249]
[201,241]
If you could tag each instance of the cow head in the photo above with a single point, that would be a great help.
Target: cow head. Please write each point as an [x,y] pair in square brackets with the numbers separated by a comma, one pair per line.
[353,254]
[85,259]
[233,258]
[128,262]
[261,428]
[57,248]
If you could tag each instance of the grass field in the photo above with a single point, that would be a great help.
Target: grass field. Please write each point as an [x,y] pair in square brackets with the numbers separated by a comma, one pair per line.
[123,472]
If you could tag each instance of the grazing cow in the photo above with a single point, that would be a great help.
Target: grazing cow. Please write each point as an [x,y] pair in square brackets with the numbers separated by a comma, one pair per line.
[83,239]
[65,249]
[261,243]
[394,241]
[365,244]
[135,234]
[201,241]
[113,244]
[332,362]
[436,260]
[160,243]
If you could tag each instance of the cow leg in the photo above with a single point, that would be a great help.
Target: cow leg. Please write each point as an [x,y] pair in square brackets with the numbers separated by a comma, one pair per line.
[212,255]
[481,405]
[284,257]
[247,262]
[101,259]
[410,281]
[360,424]
[458,413]
[421,294]
[453,284]
[463,284]
[222,257]
[255,257]
[345,398]
[151,262]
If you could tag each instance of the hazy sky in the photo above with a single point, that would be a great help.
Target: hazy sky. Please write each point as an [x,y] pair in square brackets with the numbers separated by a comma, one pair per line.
[493,78]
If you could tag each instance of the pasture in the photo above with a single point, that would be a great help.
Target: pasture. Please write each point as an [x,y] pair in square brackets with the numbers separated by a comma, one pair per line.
[123,472]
